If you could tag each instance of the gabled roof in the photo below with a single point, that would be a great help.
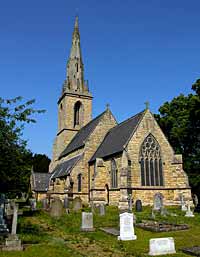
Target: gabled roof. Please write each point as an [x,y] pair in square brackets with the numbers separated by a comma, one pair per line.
[117,137]
[79,139]
[64,168]
[40,181]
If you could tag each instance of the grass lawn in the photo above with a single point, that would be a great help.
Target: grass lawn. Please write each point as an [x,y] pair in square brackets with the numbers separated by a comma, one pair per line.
[44,236]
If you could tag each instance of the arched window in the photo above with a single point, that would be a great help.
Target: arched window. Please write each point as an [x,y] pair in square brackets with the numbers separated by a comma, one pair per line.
[114,182]
[77,113]
[79,178]
[151,162]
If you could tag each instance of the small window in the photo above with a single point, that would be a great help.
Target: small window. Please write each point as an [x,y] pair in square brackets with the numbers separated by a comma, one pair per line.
[114,179]
[77,113]
[79,178]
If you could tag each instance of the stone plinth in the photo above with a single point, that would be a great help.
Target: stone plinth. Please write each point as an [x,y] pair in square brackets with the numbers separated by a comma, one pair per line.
[13,243]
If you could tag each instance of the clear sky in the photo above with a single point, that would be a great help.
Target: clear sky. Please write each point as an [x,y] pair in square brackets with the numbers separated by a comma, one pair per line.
[133,51]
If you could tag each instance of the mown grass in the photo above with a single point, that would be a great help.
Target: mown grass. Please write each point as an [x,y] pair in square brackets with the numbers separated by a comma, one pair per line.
[45,236]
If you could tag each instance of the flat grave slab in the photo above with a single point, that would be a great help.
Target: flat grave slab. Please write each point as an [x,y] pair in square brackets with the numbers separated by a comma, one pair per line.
[195,250]
[111,231]
[156,226]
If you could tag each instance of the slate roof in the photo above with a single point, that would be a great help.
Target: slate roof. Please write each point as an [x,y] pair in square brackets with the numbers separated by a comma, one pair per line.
[40,181]
[117,137]
[79,139]
[64,168]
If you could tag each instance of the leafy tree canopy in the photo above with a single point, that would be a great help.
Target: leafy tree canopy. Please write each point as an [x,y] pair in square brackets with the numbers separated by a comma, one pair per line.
[15,158]
[180,121]
[41,163]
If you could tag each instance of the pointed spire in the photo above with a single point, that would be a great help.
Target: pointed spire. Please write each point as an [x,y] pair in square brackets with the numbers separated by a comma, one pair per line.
[76,22]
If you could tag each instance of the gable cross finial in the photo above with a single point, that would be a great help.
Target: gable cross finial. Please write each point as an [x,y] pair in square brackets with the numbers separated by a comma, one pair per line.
[147,105]
[107,106]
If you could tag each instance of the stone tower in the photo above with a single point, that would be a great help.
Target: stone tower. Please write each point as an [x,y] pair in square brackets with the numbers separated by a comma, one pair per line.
[75,102]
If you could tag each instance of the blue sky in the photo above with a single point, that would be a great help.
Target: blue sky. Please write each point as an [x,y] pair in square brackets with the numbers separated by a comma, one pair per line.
[133,51]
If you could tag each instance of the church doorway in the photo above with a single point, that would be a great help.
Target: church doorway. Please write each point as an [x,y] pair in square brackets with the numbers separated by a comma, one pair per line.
[107,194]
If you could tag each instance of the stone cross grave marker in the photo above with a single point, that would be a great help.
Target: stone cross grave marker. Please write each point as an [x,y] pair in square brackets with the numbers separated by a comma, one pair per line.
[183,205]
[66,203]
[87,221]
[158,201]
[77,204]
[13,243]
[189,213]
[138,205]
[126,227]
[56,209]
[161,246]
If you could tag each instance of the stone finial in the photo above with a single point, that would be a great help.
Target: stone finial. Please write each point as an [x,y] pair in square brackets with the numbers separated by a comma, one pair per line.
[107,106]
[147,105]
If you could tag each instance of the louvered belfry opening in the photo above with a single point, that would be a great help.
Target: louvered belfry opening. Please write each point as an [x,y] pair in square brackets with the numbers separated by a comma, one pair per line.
[151,162]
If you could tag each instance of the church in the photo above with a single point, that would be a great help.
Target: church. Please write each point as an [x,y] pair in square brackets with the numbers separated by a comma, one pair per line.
[102,161]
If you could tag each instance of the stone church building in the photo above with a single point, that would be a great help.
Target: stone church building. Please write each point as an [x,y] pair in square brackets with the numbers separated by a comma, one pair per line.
[102,161]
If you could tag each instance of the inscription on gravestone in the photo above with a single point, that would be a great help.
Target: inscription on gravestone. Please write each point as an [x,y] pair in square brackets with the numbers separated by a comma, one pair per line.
[126,227]
[161,246]
[87,221]
[158,201]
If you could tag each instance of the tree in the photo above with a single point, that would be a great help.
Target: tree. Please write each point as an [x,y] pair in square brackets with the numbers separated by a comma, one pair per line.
[15,159]
[41,163]
[180,121]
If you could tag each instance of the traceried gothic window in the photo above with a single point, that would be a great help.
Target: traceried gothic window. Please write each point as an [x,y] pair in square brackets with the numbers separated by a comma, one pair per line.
[151,163]
[77,113]
[114,182]
[79,178]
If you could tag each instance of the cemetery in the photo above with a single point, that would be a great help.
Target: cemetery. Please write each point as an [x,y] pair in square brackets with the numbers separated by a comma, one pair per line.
[53,227]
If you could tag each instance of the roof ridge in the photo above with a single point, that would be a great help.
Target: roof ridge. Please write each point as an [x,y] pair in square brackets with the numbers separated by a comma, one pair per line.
[121,123]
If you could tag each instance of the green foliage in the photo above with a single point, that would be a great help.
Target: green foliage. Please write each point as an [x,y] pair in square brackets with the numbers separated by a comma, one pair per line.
[180,121]
[15,159]
[41,163]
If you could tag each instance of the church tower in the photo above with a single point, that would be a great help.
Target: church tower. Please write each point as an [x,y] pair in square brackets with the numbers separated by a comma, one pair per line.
[75,102]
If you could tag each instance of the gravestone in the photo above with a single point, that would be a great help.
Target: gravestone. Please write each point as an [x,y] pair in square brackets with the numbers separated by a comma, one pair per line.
[138,205]
[161,246]
[3,226]
[77,204]
[189,213]
[195,199]
[102,209]
[32,202]
[44,203]
[158,201]
[13,243]
[126,227]
[66,203]
[163,211]
[87,221]
[197,208]
[56,209]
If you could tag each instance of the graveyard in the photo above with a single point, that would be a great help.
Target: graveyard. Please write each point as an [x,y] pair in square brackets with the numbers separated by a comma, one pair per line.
[64,229]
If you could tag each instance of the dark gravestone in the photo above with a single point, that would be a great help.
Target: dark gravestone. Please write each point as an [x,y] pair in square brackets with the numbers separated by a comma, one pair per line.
[56,209]
[138,205]
[197,208]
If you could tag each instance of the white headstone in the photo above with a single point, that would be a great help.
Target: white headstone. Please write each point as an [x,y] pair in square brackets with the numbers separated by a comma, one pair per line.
[126,227]
[87,221]
[161,246]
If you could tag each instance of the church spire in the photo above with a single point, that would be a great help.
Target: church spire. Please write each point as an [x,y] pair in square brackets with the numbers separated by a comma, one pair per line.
[75,68]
